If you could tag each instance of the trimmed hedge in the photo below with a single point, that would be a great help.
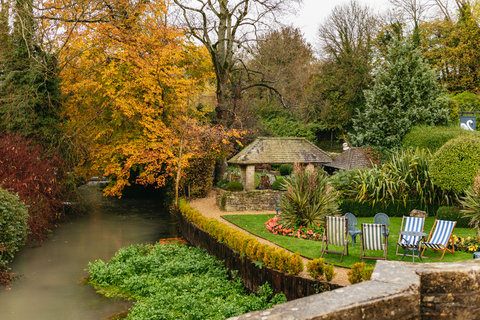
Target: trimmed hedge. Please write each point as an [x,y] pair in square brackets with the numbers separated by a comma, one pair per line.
[456,163]
[397,209]
[286,169]
[278,184]
[453,214]
[433,137]
[247,245]
[234,186]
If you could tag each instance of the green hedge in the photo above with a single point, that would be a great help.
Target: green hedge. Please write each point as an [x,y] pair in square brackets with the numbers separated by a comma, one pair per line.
[453,214]
[286,169]
[396,209]
[456,163]
[433,137]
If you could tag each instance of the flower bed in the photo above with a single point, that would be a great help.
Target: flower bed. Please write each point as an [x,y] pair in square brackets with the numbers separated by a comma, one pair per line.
[298,232]
[468,244]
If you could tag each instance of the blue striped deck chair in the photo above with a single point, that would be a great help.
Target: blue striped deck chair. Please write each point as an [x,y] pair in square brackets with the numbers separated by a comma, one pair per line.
[335,234]
[440,237]
[409,224]
[374,238]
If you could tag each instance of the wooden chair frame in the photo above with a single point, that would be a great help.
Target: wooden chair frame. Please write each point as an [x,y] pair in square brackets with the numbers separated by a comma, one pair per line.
[365,234]
[328,239]
[442,248]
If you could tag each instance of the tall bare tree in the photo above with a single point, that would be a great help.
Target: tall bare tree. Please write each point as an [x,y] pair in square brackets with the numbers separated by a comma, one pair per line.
[224,27]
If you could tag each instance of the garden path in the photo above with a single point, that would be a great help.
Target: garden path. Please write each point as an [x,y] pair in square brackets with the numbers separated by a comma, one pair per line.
[208,208]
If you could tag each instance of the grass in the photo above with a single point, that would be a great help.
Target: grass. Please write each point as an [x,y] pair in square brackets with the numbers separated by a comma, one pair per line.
[255,224]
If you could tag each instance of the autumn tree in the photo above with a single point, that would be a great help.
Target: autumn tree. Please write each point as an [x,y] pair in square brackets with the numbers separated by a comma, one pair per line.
[224,27]
[452,47]
[129,81]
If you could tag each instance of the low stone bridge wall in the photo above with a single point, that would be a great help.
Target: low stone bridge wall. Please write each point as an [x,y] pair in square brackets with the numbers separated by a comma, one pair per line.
[254,200]
[398,290]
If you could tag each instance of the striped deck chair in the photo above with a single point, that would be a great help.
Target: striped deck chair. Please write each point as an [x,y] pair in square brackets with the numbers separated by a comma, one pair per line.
[440,237]
[335,234]
[409,224]
[374,237]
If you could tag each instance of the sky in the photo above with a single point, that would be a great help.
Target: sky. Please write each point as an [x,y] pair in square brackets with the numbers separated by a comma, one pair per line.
[313,12]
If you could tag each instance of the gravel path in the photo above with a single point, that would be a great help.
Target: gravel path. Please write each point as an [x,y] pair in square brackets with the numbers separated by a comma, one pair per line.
[208,208]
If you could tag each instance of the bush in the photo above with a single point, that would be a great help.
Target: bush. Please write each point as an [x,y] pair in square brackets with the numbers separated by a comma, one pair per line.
[234,186]
[453,214]
[222,184]
[295,265]
[433,137]
[315,268]
[392,209]
[471,203]
[455,165]
[286,169]
[39,179]
[13,225]
[360,272]
[279,184]
[308,199]
[329,272]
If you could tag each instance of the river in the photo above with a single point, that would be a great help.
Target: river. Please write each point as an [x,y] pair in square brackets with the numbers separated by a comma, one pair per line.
[47,278]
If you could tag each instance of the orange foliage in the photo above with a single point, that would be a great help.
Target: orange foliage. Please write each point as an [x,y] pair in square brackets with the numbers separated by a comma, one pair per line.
[130,82]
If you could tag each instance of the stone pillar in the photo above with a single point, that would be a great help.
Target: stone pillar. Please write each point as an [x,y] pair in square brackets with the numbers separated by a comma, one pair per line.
[249,177]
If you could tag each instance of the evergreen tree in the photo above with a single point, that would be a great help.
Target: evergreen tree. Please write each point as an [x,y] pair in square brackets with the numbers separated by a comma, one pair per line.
[405,93]
[29,84]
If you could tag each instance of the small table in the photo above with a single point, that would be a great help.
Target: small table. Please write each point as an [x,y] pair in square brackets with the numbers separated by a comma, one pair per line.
[413,247]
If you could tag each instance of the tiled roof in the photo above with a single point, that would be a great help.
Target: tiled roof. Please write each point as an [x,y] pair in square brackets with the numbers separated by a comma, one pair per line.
[353,158]
[279,151]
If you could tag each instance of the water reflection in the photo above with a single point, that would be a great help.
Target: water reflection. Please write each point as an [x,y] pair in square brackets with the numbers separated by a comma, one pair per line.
[47,284]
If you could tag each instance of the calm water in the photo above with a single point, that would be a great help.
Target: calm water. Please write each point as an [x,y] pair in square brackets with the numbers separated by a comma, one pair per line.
[47,283]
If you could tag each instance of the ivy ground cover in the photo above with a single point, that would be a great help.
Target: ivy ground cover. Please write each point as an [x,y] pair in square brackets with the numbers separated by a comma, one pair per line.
[175,281]
[255,224]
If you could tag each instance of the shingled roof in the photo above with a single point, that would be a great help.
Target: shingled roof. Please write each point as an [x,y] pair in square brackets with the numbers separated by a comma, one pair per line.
[353,158]
[279,151]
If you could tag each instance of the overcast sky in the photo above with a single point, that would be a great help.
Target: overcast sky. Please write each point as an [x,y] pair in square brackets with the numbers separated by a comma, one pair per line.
[313,12]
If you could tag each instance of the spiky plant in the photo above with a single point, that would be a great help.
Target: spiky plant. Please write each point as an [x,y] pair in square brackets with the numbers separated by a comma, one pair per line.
[471,203]
[308,199]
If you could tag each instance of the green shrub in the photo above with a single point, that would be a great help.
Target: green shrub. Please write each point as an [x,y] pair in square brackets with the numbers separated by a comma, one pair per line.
[13,225]
[315,268]
[295,265]
[456,163]
[286,169]
[308,199]
[279,184]
[222,184]
[392,209]
[453,214]
[360,272]
[432,137]
[234,186]
[329,272]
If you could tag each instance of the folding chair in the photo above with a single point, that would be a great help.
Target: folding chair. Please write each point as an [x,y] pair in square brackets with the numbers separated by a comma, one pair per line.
[410,224]
[372,235]
[335,234]
[440,237]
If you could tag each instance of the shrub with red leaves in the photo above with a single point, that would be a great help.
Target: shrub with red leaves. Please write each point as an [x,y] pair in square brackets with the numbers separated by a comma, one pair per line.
[38,178]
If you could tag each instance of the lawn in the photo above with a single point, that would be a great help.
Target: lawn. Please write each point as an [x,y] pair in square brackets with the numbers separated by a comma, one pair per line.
[255,224]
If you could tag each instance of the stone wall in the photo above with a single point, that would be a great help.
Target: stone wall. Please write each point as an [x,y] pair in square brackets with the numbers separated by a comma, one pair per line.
[254,200]
[398,290]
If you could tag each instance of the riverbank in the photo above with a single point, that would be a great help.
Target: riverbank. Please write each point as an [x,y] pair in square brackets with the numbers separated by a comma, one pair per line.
[208,208]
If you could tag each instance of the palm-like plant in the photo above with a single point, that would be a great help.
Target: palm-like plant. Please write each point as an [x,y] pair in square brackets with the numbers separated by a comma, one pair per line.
[471,203]
[308,199]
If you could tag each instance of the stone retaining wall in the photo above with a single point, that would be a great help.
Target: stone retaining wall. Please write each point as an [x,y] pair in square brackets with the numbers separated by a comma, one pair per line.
[254,200]
[398,290]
